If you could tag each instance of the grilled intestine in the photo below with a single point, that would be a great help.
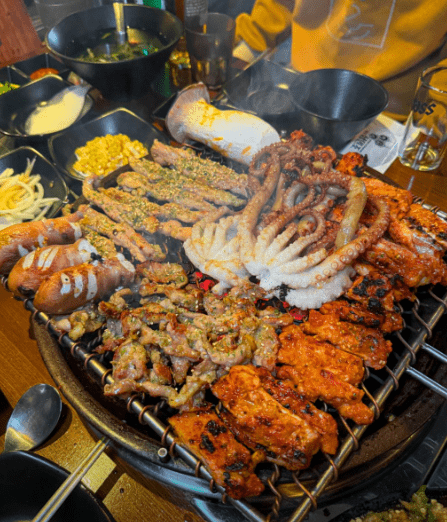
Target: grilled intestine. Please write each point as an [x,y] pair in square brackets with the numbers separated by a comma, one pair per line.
[299,214]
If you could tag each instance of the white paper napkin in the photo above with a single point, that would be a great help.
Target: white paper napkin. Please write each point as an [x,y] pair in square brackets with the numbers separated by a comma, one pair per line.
[379,141]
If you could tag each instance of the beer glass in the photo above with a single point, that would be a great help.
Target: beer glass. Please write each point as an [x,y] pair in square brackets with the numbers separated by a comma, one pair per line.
[425,138]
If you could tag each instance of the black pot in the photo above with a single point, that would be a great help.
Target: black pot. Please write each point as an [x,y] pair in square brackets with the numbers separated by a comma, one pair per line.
[117,80]
[333,105]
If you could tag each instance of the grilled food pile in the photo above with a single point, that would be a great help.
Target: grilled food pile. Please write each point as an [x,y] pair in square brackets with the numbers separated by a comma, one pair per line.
[301,232]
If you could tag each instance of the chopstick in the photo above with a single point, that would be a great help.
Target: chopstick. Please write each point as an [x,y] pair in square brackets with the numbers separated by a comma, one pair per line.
[60,495]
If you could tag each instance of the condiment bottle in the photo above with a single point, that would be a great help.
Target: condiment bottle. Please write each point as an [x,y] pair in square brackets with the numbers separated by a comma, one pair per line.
[180,66]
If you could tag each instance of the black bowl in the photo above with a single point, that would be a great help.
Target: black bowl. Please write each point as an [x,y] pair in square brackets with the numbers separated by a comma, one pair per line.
[27,482]
[17,105]
[53,184]
[118,80]
[335,104]
[119,121]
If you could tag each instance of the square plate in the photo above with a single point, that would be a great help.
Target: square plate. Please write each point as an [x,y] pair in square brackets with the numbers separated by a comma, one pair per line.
[53,184]
[11,75]
[119,121]
[38,62]
[17,105]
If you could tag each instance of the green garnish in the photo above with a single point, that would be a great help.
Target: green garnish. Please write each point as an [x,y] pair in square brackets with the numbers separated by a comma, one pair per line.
[7,86]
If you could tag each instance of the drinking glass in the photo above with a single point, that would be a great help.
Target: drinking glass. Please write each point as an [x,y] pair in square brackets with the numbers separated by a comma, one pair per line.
[210,39]
[425,138]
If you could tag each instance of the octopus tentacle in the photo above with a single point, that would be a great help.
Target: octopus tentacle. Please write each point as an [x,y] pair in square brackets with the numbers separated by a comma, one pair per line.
[279,242]
[350,251]
[212,250]
[314,297]
[265,238]
[300,244]
[302,263]
[251,212]
[274,277]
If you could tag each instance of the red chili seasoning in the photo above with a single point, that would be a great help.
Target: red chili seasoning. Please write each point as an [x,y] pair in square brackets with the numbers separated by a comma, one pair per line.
[40,73]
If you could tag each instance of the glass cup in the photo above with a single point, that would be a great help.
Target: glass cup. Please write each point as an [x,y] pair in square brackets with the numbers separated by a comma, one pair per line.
[425,138]
[210,40]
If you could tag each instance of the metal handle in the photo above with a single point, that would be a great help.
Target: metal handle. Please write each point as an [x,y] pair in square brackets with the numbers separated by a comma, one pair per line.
[118,8]
[59,497]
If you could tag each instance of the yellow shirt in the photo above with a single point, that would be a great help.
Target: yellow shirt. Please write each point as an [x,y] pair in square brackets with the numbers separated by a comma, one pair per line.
[380,38]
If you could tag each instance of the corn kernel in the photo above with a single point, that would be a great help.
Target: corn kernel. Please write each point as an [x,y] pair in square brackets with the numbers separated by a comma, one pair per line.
[104,154]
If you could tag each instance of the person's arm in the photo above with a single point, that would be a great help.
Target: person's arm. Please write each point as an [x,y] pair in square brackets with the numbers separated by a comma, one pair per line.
[267,25]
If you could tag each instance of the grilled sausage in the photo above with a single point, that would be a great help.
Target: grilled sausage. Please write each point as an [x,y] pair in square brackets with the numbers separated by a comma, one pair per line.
[18,240]
[66,290]
[31,270]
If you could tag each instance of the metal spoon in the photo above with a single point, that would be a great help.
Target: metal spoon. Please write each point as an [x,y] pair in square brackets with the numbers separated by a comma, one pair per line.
[33,419]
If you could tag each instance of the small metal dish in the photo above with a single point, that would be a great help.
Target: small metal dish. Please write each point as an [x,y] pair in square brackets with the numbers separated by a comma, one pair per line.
[40,61]
[53,184]
[62,146]
[11,75]
[333,105]
[18,104]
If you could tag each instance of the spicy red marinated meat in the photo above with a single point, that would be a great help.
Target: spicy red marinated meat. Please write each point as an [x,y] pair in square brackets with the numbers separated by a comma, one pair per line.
[261,422]
[231,464]
[285,393]
[367,343]
[309,353]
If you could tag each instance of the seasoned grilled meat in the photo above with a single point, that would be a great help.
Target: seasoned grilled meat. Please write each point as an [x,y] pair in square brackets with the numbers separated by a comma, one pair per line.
[138,184]
[200,169]
[399,200]
[352,163]
[121,234]
[387,322]
[307,352]
[229,462]
[285,393]
[261,422]
[414,269]
[317,383]
[367,343]
[421,218]
[414,238]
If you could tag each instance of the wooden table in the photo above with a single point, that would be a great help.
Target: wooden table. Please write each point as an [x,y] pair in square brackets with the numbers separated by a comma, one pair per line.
[127,495]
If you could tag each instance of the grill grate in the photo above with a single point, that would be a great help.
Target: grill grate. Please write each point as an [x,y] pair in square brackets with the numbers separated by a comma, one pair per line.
[419,323]
[420,318]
